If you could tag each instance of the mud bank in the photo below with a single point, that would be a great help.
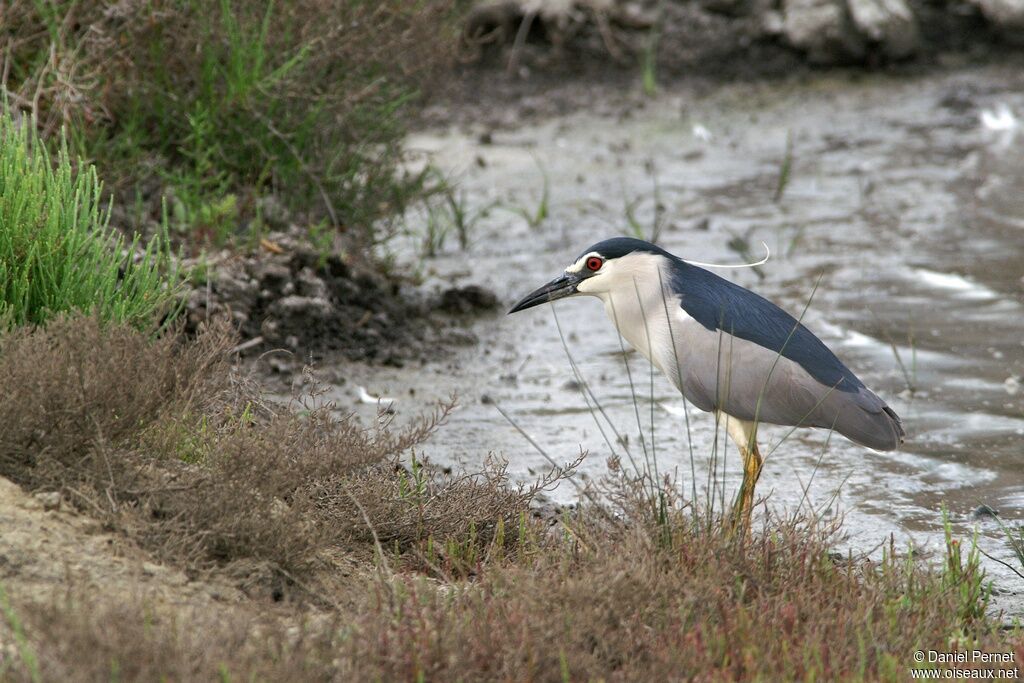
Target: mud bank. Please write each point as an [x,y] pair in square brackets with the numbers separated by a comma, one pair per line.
[736,37]
[290,297]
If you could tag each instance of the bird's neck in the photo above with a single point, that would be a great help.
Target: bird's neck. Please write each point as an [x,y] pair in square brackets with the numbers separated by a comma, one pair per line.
[642,315]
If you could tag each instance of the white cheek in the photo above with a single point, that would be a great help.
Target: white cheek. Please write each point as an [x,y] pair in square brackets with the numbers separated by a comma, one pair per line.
[590,285]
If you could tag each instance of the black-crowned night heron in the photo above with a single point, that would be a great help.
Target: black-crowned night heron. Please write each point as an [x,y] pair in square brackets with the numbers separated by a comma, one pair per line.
[728,350]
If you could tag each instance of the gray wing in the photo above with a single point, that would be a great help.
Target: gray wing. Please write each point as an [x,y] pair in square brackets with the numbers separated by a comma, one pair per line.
[749,382]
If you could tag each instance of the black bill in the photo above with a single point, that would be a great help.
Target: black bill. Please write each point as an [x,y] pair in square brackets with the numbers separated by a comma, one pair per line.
[562,286]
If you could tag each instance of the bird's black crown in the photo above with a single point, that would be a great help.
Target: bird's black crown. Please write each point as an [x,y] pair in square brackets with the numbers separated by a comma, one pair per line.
[621,246]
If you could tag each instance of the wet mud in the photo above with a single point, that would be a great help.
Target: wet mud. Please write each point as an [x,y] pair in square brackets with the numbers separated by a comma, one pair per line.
[298,305]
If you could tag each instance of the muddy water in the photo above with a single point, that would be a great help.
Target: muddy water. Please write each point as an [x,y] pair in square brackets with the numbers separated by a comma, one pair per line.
[904,208]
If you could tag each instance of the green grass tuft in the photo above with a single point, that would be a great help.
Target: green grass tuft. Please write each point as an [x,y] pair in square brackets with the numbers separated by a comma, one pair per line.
[231,106]
[57,251]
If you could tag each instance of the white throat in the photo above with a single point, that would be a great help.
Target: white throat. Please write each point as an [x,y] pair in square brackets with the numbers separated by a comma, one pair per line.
[637,298]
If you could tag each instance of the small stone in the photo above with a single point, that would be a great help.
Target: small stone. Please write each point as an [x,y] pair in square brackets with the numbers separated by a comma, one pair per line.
[983,511]
[272,274]
[466,300]
[823,29]
[50,500]
[1007,15]
[296,307]
[311,285]
[280,364]
[772,23]
[241,292]
[888,24]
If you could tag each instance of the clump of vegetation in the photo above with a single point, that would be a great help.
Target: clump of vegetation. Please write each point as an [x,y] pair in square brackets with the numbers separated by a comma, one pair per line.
[57,251]
[186,458]
[220,106]
[635,604]
[458,579]
[606,598]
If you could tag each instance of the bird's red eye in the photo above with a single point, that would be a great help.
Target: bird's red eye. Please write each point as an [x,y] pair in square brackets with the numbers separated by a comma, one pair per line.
[594,263]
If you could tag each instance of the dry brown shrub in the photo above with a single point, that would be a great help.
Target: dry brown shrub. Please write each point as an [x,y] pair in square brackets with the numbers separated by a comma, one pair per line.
[629,604]
[251,492]
[74,393]
[448,526]
[161,439]
[614,605]
[401,508]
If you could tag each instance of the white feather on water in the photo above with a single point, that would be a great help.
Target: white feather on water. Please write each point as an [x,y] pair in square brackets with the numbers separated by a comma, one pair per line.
[1000,119]
[675,410]
[954,283]
[383,401]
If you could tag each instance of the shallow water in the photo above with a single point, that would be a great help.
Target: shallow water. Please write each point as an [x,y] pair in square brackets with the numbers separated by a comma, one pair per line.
[905,206]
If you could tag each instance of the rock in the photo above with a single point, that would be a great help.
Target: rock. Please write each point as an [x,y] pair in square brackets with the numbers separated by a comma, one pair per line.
[302,307]
[772,24]
[292,316]
[241,292]
[888,24]
[310,285]
[983,511]
[465,300]
[823,29]
[50,500]
[272,275]
[1007,15]
[270,329]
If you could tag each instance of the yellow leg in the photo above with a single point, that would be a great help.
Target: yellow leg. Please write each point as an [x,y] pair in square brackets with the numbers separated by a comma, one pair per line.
[744,434]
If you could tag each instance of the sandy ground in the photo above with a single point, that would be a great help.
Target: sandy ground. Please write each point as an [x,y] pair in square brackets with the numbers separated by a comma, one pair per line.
[46,549]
